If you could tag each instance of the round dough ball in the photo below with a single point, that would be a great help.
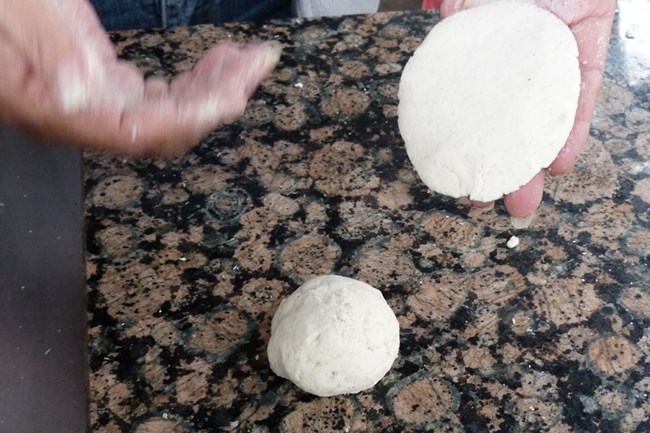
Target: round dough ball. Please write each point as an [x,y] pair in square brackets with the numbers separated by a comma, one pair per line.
[334,335]
[489,98]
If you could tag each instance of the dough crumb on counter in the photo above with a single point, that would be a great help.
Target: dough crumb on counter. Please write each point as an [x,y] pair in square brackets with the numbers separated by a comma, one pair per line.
[512,242]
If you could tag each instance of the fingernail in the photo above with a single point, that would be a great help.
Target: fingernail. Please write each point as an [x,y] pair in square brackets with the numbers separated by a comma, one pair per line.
[521,223]
[272,55]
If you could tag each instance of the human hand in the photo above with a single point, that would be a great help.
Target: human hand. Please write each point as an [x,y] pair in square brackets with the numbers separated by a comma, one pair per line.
[591,24]
[60,80]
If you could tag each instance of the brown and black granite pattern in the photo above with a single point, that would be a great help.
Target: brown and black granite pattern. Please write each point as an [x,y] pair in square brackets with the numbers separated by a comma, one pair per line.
[187,259]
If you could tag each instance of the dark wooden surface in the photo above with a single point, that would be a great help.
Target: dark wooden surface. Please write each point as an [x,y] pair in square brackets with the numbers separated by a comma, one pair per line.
[43,367]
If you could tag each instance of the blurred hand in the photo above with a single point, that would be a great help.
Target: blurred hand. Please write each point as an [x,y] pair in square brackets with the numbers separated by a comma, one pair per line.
[591,24]
[60,80]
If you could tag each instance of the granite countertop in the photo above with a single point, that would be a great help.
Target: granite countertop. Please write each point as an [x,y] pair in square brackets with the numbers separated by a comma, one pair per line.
[187,259]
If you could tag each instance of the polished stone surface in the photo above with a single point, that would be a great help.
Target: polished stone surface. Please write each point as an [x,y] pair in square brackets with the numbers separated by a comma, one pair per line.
[187,259]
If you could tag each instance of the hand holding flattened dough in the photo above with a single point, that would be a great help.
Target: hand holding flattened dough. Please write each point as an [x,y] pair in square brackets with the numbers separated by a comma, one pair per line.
[589,23]
[61,80]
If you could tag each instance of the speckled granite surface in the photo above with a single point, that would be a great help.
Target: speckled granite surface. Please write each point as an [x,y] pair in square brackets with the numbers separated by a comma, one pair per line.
[188,258]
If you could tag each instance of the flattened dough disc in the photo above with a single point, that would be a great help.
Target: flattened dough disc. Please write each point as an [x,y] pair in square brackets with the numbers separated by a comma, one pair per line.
[489,98]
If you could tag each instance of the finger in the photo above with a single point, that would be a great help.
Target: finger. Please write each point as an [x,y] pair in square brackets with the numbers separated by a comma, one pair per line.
[242,68]
[216,91]
[592,37]
[527,198]
[568,156]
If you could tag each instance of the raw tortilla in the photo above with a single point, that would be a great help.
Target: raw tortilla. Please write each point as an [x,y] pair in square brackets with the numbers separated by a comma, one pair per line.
[489,98]
[334,335]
